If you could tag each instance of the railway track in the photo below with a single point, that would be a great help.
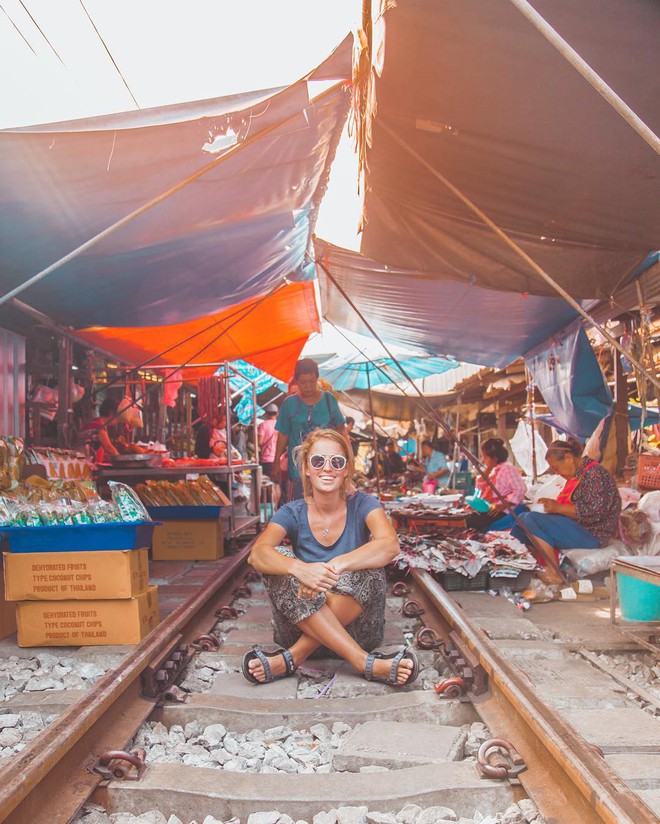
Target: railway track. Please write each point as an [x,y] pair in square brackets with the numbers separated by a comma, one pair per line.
[359,744]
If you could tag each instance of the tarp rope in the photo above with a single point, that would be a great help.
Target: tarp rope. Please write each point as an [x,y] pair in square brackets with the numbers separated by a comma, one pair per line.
[519,251]
[422,402]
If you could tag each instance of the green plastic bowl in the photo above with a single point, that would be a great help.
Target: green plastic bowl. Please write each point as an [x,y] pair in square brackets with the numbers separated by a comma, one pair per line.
[478,504]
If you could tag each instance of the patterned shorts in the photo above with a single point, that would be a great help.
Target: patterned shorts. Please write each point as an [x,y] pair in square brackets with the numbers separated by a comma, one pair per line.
[366,586]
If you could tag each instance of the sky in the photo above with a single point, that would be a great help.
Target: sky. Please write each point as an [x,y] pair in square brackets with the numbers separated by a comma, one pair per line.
[56,67]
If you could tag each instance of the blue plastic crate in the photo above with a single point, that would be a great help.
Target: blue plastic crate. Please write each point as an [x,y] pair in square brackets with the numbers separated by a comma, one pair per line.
[186,513]
[77,538]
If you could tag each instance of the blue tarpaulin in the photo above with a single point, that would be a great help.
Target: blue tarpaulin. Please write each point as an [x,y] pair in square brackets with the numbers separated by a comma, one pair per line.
[571,381]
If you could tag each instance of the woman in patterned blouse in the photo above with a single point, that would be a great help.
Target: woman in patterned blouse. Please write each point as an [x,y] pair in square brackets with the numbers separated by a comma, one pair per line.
[586,512]
[507,480]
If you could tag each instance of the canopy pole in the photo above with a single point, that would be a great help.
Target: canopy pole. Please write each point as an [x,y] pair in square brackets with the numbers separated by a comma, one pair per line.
[88,244]
[594,79]
[374,439]
[519,251]
[548,557]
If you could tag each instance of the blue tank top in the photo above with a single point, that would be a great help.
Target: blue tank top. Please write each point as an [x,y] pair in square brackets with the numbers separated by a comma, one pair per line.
[293,518]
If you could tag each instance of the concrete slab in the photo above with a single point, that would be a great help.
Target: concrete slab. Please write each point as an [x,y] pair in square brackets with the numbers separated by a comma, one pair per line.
[652,800]
[49,702]
[350,684]
[257,615]
[397,745]
[626,729]
[235,684]
[239,714]
[195,792]
[162,572]
[570,684]
[240,637]
[640,771]
[496,616]
[523,649]
[587,622]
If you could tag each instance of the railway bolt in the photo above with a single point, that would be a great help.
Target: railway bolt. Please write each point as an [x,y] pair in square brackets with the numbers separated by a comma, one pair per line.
[242,592]
[412,609]
[399,589]
[226,612]
[117,764]
[451,688]
[251,576]
[206,643]
[498,758]
[426,638]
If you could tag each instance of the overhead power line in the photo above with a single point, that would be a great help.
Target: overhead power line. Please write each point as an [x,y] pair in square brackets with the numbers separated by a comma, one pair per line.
[41,32]
[114,63]
[21,35]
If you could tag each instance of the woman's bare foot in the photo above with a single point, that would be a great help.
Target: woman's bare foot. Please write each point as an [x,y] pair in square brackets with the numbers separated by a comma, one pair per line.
[277,667]
[383,667]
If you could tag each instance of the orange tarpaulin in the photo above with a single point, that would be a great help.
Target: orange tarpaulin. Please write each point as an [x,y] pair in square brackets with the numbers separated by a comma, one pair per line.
[268,332]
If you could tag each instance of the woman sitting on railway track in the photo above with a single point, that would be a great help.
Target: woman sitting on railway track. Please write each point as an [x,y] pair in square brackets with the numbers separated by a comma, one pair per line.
[329,589]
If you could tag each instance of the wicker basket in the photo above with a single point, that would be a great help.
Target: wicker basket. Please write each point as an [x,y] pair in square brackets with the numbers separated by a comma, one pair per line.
[648,472]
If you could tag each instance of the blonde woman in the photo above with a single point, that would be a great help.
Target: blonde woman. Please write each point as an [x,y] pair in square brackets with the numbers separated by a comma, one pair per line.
[329,588]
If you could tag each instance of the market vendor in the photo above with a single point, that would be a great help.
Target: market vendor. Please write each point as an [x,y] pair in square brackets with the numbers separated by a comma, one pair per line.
[329,587]
[434,467]
[95,433]
[586,512]
[507,480]
[393,465]
[308,408]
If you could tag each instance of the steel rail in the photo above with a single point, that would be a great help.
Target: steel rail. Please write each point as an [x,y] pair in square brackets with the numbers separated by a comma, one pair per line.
[60,757]
[569,770]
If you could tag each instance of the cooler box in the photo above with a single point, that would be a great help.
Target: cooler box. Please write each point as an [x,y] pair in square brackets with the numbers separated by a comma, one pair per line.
[77,538]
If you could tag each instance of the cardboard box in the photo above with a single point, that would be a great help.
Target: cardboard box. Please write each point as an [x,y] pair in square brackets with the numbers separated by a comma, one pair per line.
[58,576]
[86,623]
[7,611]
[192,540]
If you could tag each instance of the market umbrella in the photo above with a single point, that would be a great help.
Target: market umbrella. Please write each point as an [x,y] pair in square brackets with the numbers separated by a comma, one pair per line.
[360,372]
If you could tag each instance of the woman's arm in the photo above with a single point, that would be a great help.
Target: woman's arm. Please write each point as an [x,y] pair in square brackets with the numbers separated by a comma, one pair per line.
[108,447]
[280,448]
[376,553]
[265,558]
[551,506]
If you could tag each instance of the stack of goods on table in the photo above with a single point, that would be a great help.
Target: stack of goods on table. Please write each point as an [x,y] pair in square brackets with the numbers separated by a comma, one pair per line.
[152,454]
[463,558]
[191,512]
[77,566]
[59,463]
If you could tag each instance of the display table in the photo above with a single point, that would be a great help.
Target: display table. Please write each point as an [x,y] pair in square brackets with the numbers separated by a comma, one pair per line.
[237,522]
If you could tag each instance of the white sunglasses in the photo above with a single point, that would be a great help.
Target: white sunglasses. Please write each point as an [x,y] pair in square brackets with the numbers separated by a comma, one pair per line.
[337,462]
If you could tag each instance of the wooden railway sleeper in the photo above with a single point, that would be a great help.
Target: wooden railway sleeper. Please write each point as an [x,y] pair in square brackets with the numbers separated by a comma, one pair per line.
[498,758]
[120,765]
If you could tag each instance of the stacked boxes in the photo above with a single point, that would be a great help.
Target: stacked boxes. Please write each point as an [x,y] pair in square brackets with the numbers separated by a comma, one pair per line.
[80,598]
[187,533]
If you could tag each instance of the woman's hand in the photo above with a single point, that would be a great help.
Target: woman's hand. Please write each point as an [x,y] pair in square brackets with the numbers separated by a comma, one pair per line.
[551,506]
[318,577]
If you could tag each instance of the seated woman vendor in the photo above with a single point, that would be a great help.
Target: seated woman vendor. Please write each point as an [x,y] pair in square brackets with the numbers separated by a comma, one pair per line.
[329,588]
[586,512]
[434,468]
[507,480]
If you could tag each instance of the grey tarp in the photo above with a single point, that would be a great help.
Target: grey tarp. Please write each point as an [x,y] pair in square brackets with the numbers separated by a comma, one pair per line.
[488,102]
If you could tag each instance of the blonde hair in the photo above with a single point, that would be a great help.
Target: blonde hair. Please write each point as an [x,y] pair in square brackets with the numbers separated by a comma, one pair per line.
[301,455]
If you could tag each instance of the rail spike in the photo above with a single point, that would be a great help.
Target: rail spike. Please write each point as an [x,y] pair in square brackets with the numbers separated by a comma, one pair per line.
[226,613]
[508,761]
[207,643]
[117,764]
[426,638]
[451,688]
[412,609]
